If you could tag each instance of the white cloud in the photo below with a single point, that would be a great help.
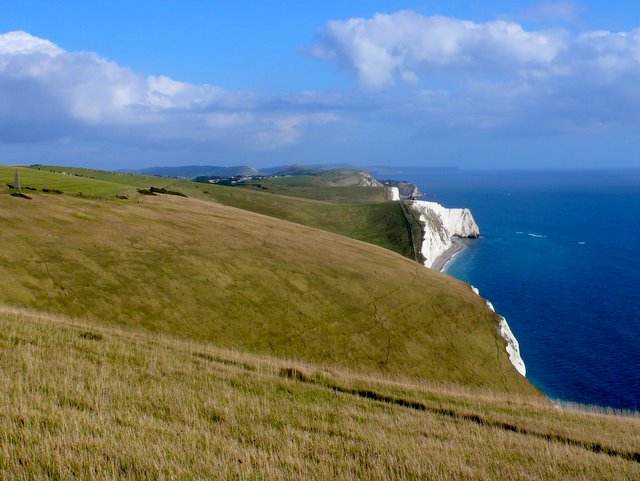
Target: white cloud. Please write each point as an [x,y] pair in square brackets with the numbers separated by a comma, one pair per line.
[21,43]
[390,45]
[608,54]
[48,93]
[94,89]
[455,77]
[408,46]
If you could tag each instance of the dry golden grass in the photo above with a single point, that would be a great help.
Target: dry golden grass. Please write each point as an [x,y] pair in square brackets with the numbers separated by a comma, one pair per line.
[82,401]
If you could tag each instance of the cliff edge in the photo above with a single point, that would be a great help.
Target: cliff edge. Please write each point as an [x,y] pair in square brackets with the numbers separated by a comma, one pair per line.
[440,226]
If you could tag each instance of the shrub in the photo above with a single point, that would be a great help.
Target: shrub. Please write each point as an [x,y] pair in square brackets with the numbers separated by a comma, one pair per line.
[20,194]
[162,190]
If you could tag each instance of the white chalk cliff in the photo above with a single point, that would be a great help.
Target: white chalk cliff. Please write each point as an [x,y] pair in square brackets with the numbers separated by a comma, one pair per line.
[392,193]
[513,347]
[439,226]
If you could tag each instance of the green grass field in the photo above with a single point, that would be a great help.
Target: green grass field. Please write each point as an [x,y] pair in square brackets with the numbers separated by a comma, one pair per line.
[202,270]
[121,178]
[338,186]
[82,401]
[342,195]
[68,183]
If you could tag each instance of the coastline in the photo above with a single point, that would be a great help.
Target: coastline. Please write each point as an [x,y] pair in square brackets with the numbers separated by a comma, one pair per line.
[442,230]
[552,354]
[447,256]
[504,331]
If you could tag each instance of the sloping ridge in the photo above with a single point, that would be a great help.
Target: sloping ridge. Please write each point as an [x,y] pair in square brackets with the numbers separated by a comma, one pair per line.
[202,270]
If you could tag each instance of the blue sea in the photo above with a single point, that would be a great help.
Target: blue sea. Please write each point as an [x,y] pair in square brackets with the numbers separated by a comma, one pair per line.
[559,257]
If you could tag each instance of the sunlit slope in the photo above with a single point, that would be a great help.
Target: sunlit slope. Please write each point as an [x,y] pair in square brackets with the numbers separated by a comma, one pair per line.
[121,178]
[335,194]
[202,270]
[81,401]
[379,223]
[43,179]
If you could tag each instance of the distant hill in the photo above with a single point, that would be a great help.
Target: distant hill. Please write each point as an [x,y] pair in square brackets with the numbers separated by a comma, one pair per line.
[336,185]
[406,189]
[192,171]
[302,169]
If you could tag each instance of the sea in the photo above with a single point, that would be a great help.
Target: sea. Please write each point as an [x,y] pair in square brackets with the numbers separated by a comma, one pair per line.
[559,257]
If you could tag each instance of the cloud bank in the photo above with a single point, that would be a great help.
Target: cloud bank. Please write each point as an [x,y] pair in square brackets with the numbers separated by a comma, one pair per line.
[407,46]
[47,93]
[496,78]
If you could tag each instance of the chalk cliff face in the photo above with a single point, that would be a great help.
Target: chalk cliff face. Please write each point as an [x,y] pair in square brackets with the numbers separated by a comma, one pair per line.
[513,347]
[392,193]
[405,189]
[365,180]
[439,226]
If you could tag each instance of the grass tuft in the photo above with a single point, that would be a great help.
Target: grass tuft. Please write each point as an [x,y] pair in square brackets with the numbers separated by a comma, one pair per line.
[20,195]
[92,336]
[295,374]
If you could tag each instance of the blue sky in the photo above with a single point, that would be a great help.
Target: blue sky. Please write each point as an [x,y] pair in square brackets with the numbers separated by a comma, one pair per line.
[475,84]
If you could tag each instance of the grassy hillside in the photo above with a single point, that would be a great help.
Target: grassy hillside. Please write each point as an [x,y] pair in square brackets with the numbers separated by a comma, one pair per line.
[302,187]
[81,401]
[67,182]
[202,270]
[192,171]
[381,223]
[92,176]
[336,186]
[162,337]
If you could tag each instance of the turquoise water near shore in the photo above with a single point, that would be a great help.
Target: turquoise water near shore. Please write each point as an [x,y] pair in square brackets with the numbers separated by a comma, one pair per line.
[559,257]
